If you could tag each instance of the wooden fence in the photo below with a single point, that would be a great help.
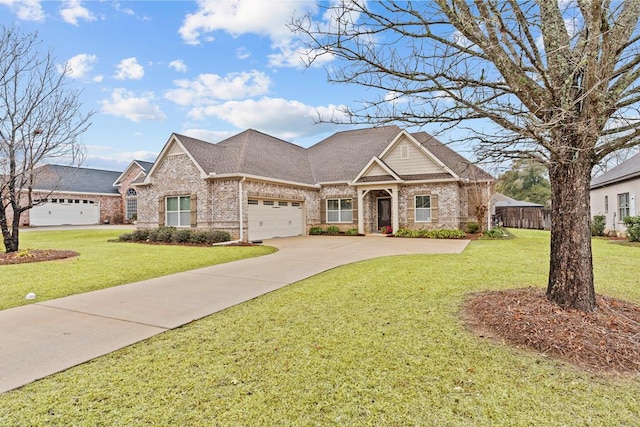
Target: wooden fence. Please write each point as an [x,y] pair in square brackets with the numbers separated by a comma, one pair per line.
[523,217]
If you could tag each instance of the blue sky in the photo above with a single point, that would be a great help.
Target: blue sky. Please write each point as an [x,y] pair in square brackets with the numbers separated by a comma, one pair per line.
[207,69]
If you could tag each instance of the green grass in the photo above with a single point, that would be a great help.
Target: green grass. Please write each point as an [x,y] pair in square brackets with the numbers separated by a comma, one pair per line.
[102,264]
[375,343]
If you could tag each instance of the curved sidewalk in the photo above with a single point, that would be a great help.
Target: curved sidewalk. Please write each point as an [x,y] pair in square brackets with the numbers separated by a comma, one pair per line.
[50,336]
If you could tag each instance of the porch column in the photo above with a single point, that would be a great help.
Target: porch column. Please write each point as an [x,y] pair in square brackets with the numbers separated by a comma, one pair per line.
[395,220]
[361,194]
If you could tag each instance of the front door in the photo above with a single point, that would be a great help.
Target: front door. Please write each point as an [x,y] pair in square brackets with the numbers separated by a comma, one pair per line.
[384,213]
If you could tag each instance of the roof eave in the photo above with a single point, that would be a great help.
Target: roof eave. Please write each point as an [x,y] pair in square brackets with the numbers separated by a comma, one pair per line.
[214,175]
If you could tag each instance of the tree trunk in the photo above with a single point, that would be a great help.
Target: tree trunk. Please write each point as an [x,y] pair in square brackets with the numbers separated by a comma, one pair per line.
[10,237]
[571,265]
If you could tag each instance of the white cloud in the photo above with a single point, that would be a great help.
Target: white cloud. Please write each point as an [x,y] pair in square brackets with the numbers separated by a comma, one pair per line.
[238,17]
[126,104]
[129,69]
[73,10]
[286,119]
[243,53]
[178,65]
[208,135]
[125,10]
[81,65]
[27,10]
[208,88]
[105,154]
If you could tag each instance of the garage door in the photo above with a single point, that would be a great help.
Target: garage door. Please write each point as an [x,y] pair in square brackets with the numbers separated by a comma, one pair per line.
[273,218]
[65,212]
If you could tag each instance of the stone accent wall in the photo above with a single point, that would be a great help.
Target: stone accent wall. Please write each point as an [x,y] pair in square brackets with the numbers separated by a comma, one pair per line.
[449,204]
[175,176]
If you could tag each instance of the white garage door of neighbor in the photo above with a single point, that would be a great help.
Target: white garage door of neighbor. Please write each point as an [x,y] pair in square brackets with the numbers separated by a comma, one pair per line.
[69,212]
[273,218]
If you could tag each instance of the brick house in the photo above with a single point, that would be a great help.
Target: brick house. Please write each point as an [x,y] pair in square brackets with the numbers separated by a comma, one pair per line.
[82,196]
[256,186]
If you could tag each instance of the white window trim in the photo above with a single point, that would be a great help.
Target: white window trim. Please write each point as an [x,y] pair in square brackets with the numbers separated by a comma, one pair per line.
[626,207]
[416,208]
[166,211]
[339,211]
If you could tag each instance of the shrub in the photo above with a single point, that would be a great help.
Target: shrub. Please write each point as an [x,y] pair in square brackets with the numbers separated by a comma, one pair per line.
[495,233]
[181,236]
[165,233]
[316,230]
[126,237]
[473,227]
[333,229]
[209,237]
[633,228]
[598,224]
[431,234]
[140,235]
[351,232]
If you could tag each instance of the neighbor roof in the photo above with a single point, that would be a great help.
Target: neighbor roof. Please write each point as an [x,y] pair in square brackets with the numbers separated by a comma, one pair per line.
[75,179]
[628,169]
[502,201]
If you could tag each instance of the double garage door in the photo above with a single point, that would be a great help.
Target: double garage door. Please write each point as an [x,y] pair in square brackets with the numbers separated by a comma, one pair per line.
[275,218]
[65,212]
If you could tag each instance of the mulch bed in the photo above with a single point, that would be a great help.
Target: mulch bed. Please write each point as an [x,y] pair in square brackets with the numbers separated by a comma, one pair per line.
[607,340]
[35,255]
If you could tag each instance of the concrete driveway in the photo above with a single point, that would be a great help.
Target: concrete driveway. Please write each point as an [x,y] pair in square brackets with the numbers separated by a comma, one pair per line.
[48,337]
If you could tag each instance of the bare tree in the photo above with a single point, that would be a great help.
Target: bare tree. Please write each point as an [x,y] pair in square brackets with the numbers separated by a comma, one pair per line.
[40,121]
[558,80]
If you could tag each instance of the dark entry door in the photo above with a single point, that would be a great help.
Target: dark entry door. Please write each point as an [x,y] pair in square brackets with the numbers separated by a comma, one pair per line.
[384,213]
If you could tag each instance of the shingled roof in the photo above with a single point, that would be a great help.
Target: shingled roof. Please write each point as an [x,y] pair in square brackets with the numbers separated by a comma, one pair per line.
[338,158]
[74,179]
[454,161]
[253,153]
[628,169]
[342,156]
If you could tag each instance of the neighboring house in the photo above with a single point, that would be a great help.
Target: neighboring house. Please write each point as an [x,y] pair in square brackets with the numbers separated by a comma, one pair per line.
[256,186]
[613,194]
[73,196]
[82,196]
[134,173]
[509,212]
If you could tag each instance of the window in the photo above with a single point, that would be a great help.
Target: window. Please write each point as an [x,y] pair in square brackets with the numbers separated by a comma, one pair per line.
[283,204]
[623,206]
[423,208]
[339,210]
[179,211]
[268,203]
[295,204]
[606,204]
[131,204]
[252,202]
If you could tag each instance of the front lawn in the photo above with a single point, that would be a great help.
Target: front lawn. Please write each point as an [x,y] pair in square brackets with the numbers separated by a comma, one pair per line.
[102,264]
[378,342]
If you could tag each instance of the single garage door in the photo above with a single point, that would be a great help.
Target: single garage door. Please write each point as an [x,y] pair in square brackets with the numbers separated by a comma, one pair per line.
[65,212]
[273,218]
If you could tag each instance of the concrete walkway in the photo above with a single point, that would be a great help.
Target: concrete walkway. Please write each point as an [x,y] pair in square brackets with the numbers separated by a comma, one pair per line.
[48,337]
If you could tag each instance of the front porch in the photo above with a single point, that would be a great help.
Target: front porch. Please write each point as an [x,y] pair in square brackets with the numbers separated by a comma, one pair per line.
[378,208]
